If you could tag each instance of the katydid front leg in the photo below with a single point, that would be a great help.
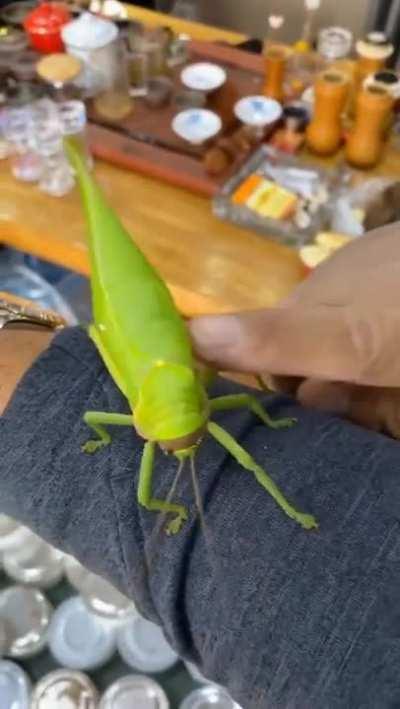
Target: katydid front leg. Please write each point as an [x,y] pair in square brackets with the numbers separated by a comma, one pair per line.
[96,420]
[245,459]
[151,503]
[239,401]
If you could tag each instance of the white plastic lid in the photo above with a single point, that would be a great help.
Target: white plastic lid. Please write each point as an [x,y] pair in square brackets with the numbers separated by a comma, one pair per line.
[258,111]
[203,76]
[13,535]
[77,639]
[196,125]
[15,687]
[134,691]
[89,32]
[142,645]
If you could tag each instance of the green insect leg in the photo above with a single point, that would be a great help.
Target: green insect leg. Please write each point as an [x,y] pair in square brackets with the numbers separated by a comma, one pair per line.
[96,420]
[244,459]
[145,492]
[239,401]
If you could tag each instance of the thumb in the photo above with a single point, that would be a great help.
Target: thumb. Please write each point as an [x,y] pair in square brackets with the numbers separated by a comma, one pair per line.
[334,343]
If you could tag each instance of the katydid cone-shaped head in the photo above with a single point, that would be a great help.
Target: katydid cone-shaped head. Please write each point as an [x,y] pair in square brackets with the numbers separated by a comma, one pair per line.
[172,408]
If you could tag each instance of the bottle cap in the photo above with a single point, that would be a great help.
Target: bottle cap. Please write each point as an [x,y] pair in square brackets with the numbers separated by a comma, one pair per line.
[134,691]
[142,645]
[98,594]
[211,696]
[64,688]
[15,686]
[40,566]
[78,639]
[26,614]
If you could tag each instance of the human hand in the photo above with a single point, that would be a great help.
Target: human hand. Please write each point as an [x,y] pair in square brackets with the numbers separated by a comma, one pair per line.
[334,343]
[19,347]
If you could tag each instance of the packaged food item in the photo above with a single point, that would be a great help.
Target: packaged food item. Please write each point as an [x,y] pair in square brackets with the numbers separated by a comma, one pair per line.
[266,198]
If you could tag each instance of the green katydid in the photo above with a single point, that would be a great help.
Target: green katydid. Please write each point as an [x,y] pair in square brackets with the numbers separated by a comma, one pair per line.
[146,348]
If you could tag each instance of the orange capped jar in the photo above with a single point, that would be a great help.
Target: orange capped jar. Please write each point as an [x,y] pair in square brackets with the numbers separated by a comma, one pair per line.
[324,134]
[366,141]
[276,57]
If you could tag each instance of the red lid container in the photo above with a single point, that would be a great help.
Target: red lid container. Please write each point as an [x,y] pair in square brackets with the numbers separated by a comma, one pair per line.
[44,24]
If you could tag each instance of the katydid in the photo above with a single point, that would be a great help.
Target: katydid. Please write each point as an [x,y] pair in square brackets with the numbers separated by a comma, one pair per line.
[146,348]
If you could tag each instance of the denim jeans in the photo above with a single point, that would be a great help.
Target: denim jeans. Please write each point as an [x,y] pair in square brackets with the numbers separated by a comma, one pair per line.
[285,619]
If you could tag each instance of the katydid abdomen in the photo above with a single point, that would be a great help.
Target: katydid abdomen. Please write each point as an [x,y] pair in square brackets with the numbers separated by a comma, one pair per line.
[143,342]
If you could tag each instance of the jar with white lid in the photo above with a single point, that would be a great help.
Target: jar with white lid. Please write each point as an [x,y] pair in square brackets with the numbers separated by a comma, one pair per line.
[96,42]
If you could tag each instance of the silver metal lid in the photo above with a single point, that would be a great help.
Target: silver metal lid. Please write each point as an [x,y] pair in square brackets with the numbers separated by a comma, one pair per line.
[78,639]
[142,646]
[63,689]
[98,594]
[12,534]
[41,565]
[26,614]
[134,691]
[15,686]
[210,696]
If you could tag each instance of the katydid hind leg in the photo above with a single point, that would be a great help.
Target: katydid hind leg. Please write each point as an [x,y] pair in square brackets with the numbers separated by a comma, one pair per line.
[247,462]
[242,401]
[97,420]
[151,503]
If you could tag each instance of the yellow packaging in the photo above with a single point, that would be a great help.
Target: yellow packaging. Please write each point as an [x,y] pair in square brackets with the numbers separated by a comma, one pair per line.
[266,198]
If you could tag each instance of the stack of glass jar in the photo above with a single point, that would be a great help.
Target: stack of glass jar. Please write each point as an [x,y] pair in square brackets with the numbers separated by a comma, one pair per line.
[57,633]
[36,118]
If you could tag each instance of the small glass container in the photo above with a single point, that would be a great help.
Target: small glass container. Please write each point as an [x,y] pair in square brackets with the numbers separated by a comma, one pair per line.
[134,691]
[190,99]
[24,65]
[65,688]
[159,92]
[39,565]
[12,42]
[114,101]
[334,43]
[15,686]
[78,639]
[138,71]
[73,121]
[26,613]
[44,26]
[178,53]
[209,696]
[14,13]
[142,646]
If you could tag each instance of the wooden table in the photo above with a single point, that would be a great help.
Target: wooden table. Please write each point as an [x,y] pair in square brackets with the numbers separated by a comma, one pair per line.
[210,266]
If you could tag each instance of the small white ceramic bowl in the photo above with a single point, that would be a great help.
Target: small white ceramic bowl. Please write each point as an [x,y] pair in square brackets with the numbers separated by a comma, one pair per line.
[203,76]
[197,125]
[258,111]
